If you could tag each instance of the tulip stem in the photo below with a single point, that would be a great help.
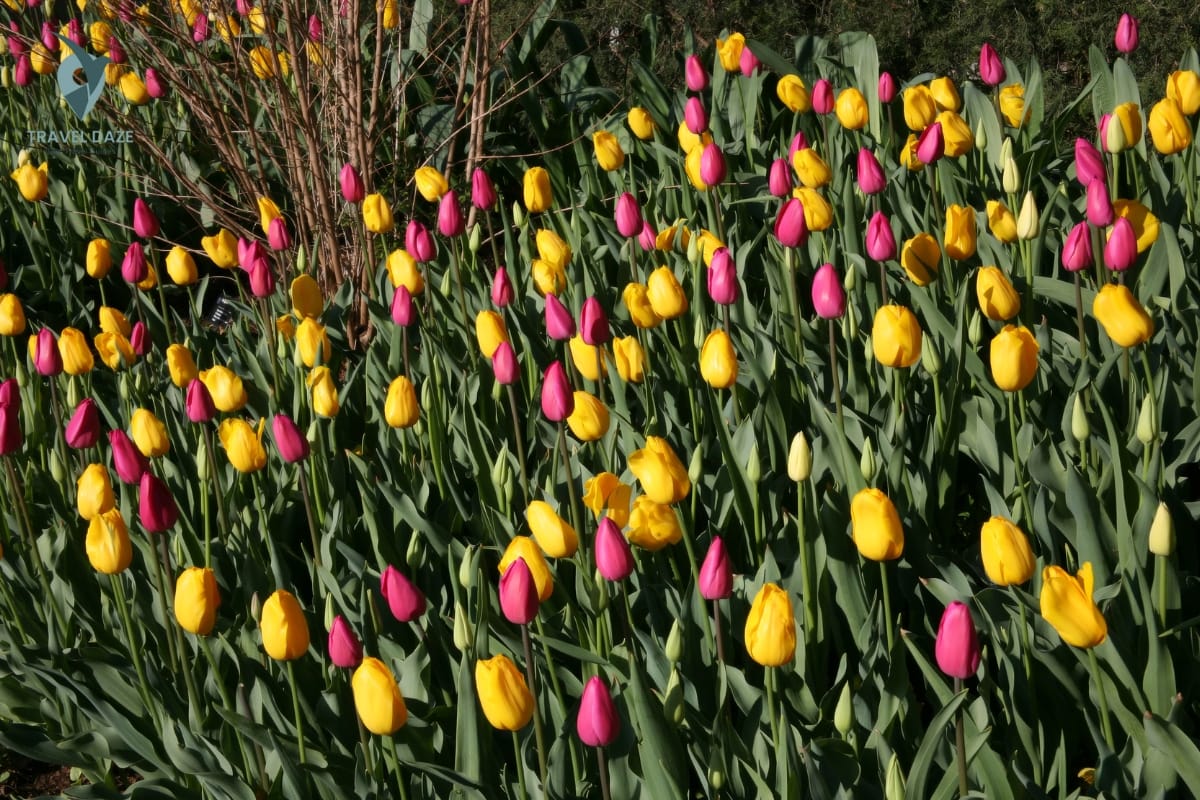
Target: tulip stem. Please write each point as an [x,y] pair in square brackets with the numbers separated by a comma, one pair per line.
[1150,393]
[227,701]
[135,653]
[458,282]
[1105,724]
[1025,648]
[556,686]
[276,566]
[1079,318]
[174,630]
[291,671]
[1026,511]
[401,784]
[602,763]
[1161,575]
[770,681]
[960,743]
[810,614]
[31,543]
[562,447]
[716,603]
[837,389]
[531,679]
[520,767]
[212,471]
[308,513]
[520,440]
[887,607]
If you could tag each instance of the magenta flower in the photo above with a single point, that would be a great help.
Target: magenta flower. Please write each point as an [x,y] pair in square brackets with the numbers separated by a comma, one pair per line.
[828,297]
[614,559]
[518,593]
[957,646]
[716,573]
[597,723]
[404,599]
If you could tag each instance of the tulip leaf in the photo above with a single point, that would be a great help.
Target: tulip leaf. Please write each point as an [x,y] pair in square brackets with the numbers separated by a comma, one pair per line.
[933,741]
[660,752]
[1180,750]
[1103,93]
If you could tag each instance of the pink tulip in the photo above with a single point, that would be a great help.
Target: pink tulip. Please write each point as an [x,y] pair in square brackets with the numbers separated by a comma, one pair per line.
[483,192]
[23,71]
[1099,207]
[289,440]
[10,393]
[828,297]
[648,238]
[156,506]
[10,430]
[198,402]
[128,461]
[262,282]
[991,68]
[200,28]
[75,32]
[887,87]
[249,252]
[695,74]
[502,288]
[614,559]
[716,573]
[450,219]
[593,323]
[957,646]
[139,339]
[278,237]
[799,142]
[83,429]
[712,165]
[519,599]
[1089,164]
[316,31]
[790,228]
[560,325]
[932,144]
[722,278]
[1126,38]
[881,242]
[418,242]
[822,96]
[16,45]
[353,190]
[47,360]
[597,723]
[1120,252]
[871,179]
[558,401]
[345,650]
[115,51]
[133,266]
[779,178]
[628,216]
[504,364]
[49,40]
[402,306]
[749,63]
[1077,250]
[403,597]
[154,84]
[694,116]
[244,7]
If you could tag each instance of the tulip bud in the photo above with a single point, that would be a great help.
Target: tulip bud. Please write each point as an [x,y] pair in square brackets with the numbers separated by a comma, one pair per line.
[597,723]
[1120,252]
[981,140]
[1010,179]
[1027,220]
[502,474]
[753,464]
[881,242]
[870,177]
[716,573]
[1077,250]
[558,401]
[957,646]
[673,649]
[696,464]
[648,238]
[518,593]
[156,506]
[695,74]
[829,301]
[895,786]
[991,68]
[483,192]
[1126,37]
[712,165]
[931,145]
[722,281]
[1147,424]
[593,323]
[1162,532]
[449,219]
[1080,428]
[674,703]
[975,328]
[628,215]
[1114,134]
[518,214]
[345,650]
[791,228]
[866,463]
[414,554]
[693,251]
[822,96]
[353,189]
[694,116]
[931,360]
[404,599]
[887,87]
[145,224]
[1099,206]
[843,713]
[463,631]
[560,325]
[799,463]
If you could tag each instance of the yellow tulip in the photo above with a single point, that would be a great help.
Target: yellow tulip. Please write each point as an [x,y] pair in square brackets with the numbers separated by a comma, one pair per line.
[284,628]
[1067,604]
[109,550]
[324,392]
[689,141]
[921,258]
[875,526]
[181,266]
[490,331]
[99,258]
[1012,105]
[390,14]
[589,421]
[32,182]
[637,302]
[920,109]
[896,337]
[811,169]
[526,549]
[538,195]
[1123,317]
[196,600]
[630,359]
[998,300]
[665,294]
[134,89]
[306,297]
[12,315]
[1183,86]
[226,388]
[548,278]
[403,270]
[1013,357]
[1169,129]
[506,700]
[243,445]
[653,526]
[400,409]
[1001,222]
[851,109]
[1007,557]
[729,51]
[606,494]
[431,183]
[585,355]
[221,248]
[76,355]
[115,350]
[771,627]
[149,433]
[312,343]
[94,492]
[960,232]
[1130,118]
[818,214]
[609,154]
[377,214]
[553,534]
[1145,224]
[793,94]
[377,698]
[113,321]
[151,279]
[552,249]
[945,94]
[957,136]
[908,154]
[660,471]
[641,123]
[718,361]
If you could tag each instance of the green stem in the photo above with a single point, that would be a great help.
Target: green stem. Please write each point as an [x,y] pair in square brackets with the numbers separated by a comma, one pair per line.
[887,607]
[717,630]
[520,440]
[576,767]
[602,764]
[570,479]
[291,671]
[1105,723]
[31,544]
[308,513]
[1079,318]
[223,531]
[531,679]
[810,613]
[162,605]
[401,784]
[135,652]
[1026,651]
[226,701]
[770,681]
[960,743]
[520,766]
[1161,574]
[837,389]
[1026,512]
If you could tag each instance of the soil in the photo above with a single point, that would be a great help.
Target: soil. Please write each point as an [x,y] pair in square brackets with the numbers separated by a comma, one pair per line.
[24,778]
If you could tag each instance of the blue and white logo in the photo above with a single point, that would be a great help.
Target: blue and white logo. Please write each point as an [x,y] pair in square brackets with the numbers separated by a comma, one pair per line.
[81,97]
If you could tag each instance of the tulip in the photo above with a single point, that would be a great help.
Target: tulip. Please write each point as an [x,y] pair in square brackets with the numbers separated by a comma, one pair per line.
[1126,37]
[22,77]
[998,300]
[590,419]
[1122,316]
[43,349]
[518,593]
[262,280]
[128,461]
[83,429]
[145,224]
[908,154]
[1124,128]
[606,494]
[200,28]
[1007,557]
[504,365]
[1120,252]
[523,547]
[799,142]
[538,195]
[716,573]
[609,154]
[400,408]
[552,248]
[1077,250]
[771,627]
[560,325]
[828,297]
[653,526]
[630,359]
[695,74]
[960,232]
[377,214]
[869,175]
[149,434]
[921,257]
[226,387]
[98,260]
[1013,357]
[1169,128]
[1089,164]
[1161,541]
[156,506]
[1001,222]
[490,331]
[404,599]
[614,559]
[793,94]
[945,94]
[637,302]
[312,343]
[199,403]
[957,646]
[417,240]
[597,722]
[32,182]
[450,220]
[1183,86]
[665,295]
[377,697]
[1012,105]
[1067,604]
[712,165]
[196,600]
[503,694]
[11,437]
[289,440]
[345,650]
[431,184]
[403,271]
[133,266]
[729,51]
[557,399]
[593,322]
[1028,223]
[931,145]
[662,475]
[811,169]
[887,87]
[324,392]
[920,109]
[957,137]
[722,279]
[991,68]
[881,243]
[822,96]
[791,228]
[718,360]
[115,350]
[109,550]
[875,526]
[94,492]
[748,63]
[351,183]
[694,116]
[243,445]
[10,394]
[1145,224]
[852,109]
[641,123]
[628,216]
[284,627]
[483,192]
[779,178]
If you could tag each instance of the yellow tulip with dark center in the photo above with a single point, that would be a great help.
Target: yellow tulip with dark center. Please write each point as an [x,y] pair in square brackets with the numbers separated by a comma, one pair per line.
[718,361]
[1067,604]
[94,492]
[109,550]
[875,526]
[589,421]
[243,445]
[1124,319]
[896,336]
[960,232]
[921,258]
[1007,558]
[196,600]
[998,300]
[503,694]
[771,627]
[653,526]
[553,534]
[400,409]
[149,433]
[609,154]
[1014,358]
[377,698]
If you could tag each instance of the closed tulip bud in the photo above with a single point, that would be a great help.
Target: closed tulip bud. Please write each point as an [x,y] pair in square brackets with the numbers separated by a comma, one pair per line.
[593,322]
[431,184]
[822,97]
[660,471]
[630,359]
[694,116]
[628,215]
[129,463]
[614,559]
[981,139]
[1007,557]
[558,401]
[560,325]
[722,280]
[1099,206]
[156,505]
[869,175]
[93,492]
[1001,222]
[450,220]
[83,429]
[597,722]
[196,600]
[199,403]
[1077,250]
[920,108]
[665,295]
[716,573]
[108,547]
[998,300]
[284,627]
[133,266]
[11,437]
[139,339]
[589,419]
[505,698]
[1115,133]
[149,434]
[10,394]
[43,351]
[718,360]
[1126,37]
[1089,164]
[931,144]
[793,94]
[729,51]
[518,593]
[828,297]
[145,224]
[351,183]
[537,192]
[404,599]
[1169,128]
[609,154]
[377,698]
[771,627]
[1120,252]
[289,440]
[695,74]
[881,242]
[1067,604]
[991,68]
[345,650]
[418,241]
[843,712]
[99,258]
[324,392]
[1014,358]
[748,63]
[921,255]
[377,214]
[1147,424]
[852,109]
[957,645]
[1162,532]
[791,228]
[779,178]
[712,165]
[896,337]
[490,331]
[1080,429]
[1027,220]
[400,408]
[875,526]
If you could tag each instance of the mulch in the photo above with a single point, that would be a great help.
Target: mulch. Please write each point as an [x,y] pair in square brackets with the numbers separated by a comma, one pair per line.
[25,778]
